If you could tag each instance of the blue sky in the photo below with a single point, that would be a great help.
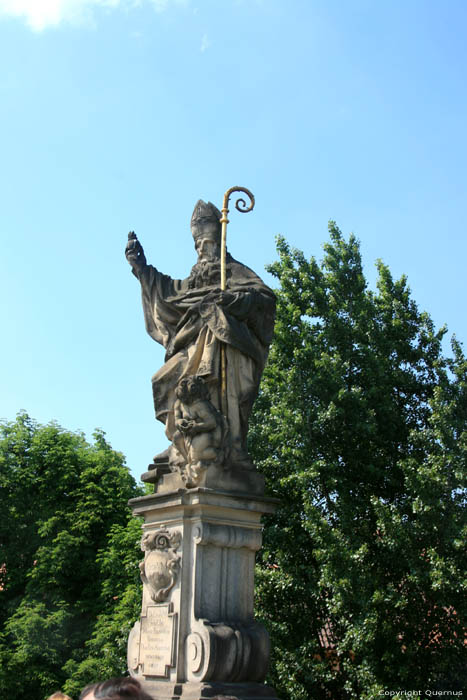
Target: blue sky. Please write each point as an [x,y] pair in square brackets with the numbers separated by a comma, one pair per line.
[119,115]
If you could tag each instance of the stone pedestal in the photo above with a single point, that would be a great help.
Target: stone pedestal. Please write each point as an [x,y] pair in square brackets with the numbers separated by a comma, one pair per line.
[196,637]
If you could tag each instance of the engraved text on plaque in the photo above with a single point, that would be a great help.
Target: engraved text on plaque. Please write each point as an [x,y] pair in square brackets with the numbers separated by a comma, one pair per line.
[156,649]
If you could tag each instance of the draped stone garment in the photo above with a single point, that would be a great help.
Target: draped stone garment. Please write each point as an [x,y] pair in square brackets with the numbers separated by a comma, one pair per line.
[183,316]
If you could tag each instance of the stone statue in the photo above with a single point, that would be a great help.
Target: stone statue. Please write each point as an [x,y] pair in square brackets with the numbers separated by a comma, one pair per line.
[201,430]
[193,319]
[197,636]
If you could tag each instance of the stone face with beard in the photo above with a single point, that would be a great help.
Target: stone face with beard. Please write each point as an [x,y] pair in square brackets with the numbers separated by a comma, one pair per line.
[192,318]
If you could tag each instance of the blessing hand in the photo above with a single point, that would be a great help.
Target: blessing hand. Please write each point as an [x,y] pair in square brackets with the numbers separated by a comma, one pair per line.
[134,252]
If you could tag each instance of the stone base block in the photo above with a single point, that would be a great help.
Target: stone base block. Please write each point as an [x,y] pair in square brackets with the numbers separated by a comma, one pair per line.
[205,691]
[214,477]
[196,637]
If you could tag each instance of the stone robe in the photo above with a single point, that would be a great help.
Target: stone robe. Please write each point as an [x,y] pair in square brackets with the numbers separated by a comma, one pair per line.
[183,316]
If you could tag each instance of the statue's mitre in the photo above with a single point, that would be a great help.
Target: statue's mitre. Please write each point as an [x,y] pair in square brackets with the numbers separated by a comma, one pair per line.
[205,210]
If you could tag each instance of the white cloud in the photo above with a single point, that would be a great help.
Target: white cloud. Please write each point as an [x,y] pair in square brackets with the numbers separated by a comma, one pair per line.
[160,5]
[205,43]
[41,14]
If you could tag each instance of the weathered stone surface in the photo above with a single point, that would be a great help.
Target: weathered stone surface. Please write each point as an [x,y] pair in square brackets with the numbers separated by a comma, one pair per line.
[161,564]
[214,477]
[157,641]
[206,332]
[214,639]
[151,645]
[196,636]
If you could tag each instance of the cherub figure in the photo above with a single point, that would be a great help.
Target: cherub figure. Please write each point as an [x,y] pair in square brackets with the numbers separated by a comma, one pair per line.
[201,429]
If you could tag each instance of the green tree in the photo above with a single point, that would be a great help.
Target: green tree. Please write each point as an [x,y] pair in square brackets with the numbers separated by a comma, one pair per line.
[63,501]
[105,650]
[361,431]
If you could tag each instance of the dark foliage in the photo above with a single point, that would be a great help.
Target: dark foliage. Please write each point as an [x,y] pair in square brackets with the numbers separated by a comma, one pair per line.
[61,499]
[361,431]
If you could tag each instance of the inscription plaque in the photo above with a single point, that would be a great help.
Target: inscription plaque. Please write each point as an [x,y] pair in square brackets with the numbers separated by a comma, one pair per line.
[157,640]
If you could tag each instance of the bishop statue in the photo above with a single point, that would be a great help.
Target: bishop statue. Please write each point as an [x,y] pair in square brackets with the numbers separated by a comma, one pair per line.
[206,330]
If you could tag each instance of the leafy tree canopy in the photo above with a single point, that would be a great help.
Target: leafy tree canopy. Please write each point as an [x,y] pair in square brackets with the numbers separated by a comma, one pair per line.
[361,431]
[63,502]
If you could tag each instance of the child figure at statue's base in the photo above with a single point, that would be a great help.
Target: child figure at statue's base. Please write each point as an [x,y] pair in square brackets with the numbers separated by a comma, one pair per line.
[200,428]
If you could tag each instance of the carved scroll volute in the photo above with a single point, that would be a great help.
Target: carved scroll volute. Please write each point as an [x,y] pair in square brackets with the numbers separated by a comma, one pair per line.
[228,536]
[161,565]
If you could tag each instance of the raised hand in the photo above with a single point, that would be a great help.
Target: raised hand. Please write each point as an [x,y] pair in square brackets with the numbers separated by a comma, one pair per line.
[134,252]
